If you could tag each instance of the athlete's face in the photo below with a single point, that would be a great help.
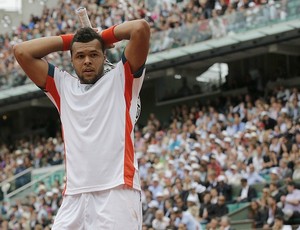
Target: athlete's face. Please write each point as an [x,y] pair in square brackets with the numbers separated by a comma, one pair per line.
[88,59]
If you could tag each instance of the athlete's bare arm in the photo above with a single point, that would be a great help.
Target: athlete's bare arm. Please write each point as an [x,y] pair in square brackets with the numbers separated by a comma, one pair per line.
[29,54]
[138,34]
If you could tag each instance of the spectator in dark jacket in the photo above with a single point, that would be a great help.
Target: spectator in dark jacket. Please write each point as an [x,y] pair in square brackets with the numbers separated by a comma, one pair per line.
[220,209]
[258,214]
[247,193]
[223,188]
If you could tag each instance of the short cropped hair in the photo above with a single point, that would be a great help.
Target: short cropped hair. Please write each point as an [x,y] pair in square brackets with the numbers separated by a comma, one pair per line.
[85,35]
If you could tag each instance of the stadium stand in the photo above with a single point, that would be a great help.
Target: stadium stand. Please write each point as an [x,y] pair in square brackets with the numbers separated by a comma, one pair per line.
[197,156]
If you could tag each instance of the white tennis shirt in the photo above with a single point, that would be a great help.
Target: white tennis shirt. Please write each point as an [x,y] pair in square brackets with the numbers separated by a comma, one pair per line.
[97,127]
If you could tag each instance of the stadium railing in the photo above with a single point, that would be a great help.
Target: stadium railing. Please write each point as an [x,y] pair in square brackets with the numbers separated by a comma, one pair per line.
[10,184]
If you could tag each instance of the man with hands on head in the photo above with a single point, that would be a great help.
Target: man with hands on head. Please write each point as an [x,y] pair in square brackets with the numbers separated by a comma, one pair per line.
[97,112]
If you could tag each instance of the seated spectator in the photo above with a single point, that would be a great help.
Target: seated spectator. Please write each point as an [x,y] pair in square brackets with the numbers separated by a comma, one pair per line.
[184,217]
[206,208]
[253,176]
[272,211]
[160,222]
[247,193]
[219,209]
[193,207]
[275,191]
[214,196]
[234,176]
[223,188]
[263,199]
[291,202]
[258,214]
[149,215]
[296,173]
[155,187]
[268,122]
[284,169]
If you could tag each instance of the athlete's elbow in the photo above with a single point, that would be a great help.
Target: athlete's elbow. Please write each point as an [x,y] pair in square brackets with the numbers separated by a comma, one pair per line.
[142,28]
[18,51]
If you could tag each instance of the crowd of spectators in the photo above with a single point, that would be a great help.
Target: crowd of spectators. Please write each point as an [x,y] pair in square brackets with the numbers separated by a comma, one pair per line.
[191,165]
[173,24]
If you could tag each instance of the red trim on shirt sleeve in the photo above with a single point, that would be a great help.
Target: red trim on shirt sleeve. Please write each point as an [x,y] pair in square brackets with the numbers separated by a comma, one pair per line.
[129,169]
[52,90]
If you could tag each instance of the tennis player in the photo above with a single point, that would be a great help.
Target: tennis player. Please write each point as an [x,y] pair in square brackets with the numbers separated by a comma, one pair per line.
[97,111]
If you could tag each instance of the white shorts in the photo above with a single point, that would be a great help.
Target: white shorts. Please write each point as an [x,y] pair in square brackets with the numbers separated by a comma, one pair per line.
[113,209]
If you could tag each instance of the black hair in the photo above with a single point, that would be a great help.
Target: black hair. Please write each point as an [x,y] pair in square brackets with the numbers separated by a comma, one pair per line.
[87,34]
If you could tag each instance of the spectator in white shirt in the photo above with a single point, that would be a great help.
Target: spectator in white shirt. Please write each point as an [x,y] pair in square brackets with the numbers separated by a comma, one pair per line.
[253,176]
[160,222]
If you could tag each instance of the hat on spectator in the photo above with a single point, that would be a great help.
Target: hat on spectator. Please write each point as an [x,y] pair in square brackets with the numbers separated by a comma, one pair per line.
[234,167]
[159,194]
[18,152]
[195,166]
[205,158]
[191,199]
[152,149]
[139,155]
[213,156]
[212,136]
[227,139]
[221,117]
[218,141]
[158,166]
[188,168]
[181,160]
[170,162]
[55,191]
[155,178]
[20,161]
[284,110]
[225,133]
[275,171]
[42,188]
[251,4]
[253,134]
[237,135]
[264,113]
[193,158]
[49,194]
[247,135]
[197,145]
[221,178]
[168,174]
[153,204]
[177,148]
[198,132]
[193,153]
